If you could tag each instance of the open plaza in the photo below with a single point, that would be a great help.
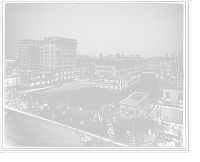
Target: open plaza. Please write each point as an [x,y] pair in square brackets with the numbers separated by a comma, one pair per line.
[95,99]
[99,97]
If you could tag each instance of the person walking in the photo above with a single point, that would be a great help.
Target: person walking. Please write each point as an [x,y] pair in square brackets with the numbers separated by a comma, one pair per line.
[142,140]
[52,115]
[95,118]
[64,112]
[100,117]
[149,130]
[37,111]
[114,118]
[154,134]
[82,110]
[129,136]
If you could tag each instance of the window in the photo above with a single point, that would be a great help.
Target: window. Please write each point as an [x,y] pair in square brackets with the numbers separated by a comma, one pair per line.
[167,96]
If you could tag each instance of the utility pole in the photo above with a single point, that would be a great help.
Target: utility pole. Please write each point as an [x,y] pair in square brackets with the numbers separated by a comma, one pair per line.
[133,130]
[133,119]
[77,103]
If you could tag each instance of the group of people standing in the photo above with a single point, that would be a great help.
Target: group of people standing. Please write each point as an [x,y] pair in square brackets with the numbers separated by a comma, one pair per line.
[21,100]
[143,138]
[97,115]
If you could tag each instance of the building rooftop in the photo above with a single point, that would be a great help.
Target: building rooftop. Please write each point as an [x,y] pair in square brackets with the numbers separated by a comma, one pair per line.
[84,57]
[121,57]
[134,99]
[159,58]
[154,58]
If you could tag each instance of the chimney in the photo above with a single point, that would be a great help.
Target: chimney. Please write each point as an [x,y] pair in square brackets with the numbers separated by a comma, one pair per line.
[100,55]
[117,55]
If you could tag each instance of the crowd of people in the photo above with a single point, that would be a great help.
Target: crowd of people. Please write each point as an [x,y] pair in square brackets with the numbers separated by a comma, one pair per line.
[98,115]
[20,102]
[55,111]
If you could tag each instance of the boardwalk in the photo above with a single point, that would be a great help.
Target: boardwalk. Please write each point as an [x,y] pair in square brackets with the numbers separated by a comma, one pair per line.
[97,98]
[99,129]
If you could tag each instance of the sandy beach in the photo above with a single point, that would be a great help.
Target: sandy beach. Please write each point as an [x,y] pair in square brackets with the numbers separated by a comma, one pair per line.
[21,130]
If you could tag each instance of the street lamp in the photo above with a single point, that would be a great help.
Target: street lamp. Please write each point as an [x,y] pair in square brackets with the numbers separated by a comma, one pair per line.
[77,102]
[133,119]
[132,113]
[157,111]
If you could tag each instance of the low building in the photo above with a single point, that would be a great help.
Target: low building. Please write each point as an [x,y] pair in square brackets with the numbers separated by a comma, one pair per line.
[136,103]
[11,83]
[180,65]
[165,66]
[152,65]
[14,58]
[159,65]
[171,112]
[10,64]
[46,78]
[116,74]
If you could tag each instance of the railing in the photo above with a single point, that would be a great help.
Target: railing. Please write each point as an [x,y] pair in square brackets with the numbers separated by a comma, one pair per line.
[73,125]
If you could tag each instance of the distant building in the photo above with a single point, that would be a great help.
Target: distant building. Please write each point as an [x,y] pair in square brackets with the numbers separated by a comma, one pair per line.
[180,64]
[14,58]
[10,65]
[41,79]
[116,74]
[152,65]
[159,65]
[11,83]
[86,62]
[165,66]
[171,111]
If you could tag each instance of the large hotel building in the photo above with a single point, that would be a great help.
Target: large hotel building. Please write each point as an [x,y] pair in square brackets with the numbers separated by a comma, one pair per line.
[116,73]
[29,53]
[53,60]
[58,52]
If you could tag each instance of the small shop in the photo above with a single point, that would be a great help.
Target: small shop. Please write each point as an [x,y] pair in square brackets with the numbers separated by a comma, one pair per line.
[134,105]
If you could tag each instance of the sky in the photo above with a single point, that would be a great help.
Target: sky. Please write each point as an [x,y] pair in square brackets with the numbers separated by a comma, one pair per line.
[131,29]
